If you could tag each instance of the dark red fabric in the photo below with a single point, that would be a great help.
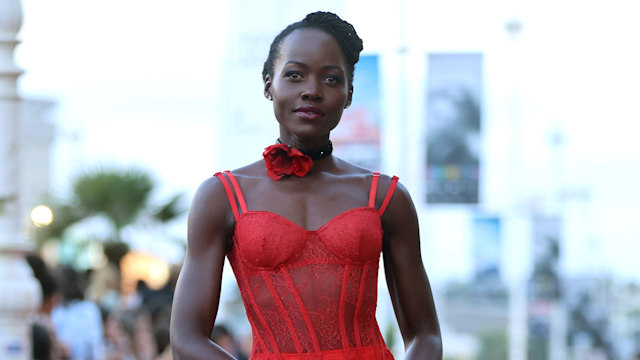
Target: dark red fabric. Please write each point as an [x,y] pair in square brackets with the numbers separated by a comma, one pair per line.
[309,294]
[281,160]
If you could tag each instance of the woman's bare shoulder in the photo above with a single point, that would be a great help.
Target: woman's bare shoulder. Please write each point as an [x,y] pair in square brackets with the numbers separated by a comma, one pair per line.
[385,183]
[209,193]
[253,170]
[356,171]
[349,169]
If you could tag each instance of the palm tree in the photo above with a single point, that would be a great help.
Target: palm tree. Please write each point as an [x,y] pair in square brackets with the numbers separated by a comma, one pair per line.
[121,196]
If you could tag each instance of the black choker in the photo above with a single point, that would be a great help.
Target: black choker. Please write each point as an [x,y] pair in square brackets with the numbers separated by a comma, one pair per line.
[317,153]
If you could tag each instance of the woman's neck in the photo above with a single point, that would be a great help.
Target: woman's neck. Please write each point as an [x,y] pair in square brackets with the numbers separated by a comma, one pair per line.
[315,153]
[303,144]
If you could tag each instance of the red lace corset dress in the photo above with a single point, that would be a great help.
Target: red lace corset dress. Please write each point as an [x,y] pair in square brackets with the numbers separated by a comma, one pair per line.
[309,294]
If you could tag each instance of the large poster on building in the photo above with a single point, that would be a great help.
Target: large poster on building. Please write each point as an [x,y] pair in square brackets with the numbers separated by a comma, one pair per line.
[454,94]
[357,138]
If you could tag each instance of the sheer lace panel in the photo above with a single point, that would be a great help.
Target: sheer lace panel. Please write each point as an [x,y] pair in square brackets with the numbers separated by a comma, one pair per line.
[310,294]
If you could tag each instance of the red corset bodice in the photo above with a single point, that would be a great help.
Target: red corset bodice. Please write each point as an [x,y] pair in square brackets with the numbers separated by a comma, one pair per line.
[309,294]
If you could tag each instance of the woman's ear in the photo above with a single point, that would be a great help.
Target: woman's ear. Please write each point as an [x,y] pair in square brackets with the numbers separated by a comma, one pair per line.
[349,97]
[267,87]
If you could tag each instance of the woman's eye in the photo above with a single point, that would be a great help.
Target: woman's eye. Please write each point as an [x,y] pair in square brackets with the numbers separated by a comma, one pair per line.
[332,79]
[294,75]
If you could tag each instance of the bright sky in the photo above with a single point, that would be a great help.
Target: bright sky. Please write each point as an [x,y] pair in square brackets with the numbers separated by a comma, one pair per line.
[134,82]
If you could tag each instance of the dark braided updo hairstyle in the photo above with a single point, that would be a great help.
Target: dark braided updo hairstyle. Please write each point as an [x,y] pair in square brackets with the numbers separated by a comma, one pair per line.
[342,31]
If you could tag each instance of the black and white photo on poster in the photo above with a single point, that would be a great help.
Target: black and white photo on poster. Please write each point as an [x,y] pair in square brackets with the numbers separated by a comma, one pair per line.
[454,93]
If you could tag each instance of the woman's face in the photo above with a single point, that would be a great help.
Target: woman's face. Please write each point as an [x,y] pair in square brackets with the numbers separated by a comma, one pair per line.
[309,87]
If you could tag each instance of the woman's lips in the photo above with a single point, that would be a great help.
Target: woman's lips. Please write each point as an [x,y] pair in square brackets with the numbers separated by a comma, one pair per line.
[307,115]
[309,112]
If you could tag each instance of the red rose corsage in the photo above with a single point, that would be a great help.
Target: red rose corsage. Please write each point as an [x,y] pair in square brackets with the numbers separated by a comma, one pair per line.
[282,160]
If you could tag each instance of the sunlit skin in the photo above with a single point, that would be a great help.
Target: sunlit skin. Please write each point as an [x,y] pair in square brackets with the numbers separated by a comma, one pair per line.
[310,75]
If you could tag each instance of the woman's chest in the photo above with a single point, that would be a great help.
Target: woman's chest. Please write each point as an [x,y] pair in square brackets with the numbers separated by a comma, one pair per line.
[266,240]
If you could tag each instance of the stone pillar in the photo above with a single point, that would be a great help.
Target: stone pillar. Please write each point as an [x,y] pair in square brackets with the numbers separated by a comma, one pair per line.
[19,291]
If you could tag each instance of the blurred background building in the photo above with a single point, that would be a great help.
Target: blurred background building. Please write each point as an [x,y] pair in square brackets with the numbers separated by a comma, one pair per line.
[26,136]
[512,124]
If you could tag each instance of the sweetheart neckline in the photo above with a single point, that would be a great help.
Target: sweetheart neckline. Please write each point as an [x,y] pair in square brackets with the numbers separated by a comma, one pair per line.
[318,230]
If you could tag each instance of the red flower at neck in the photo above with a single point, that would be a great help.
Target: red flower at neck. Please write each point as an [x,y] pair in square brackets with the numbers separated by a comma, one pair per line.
[282,160]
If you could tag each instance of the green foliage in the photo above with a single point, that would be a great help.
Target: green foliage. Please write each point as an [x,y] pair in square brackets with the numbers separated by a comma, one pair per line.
[120,196]
[170,210]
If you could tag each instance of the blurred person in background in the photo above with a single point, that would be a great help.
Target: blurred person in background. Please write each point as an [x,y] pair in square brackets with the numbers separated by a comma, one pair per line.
[45,341]
[225,339]
[303,230]
[77,322]
[48,285]
[161,321]
[117,342]
[42,347]
[129,335]
[161,336]
[104,287]
[157,301]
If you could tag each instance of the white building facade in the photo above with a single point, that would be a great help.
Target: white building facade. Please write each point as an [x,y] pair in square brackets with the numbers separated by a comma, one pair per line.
[25,141]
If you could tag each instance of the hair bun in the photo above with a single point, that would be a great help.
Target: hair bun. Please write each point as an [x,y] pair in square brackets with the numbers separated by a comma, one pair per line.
[344,33]
[341,30]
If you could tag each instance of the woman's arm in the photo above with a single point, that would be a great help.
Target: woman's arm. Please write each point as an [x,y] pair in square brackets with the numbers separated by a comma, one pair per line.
[195,302]
[407,280]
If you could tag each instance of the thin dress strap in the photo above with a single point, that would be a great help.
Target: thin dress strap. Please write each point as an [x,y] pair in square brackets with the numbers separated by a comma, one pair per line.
[230,195]
[236,187]
[374,187]
[387,198]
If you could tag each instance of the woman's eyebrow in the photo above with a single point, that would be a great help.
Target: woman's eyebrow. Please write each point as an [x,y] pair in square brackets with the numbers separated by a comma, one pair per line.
[296,63]
[299,63]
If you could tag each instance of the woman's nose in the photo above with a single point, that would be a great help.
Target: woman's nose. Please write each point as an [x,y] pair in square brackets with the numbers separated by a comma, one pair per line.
[311,91]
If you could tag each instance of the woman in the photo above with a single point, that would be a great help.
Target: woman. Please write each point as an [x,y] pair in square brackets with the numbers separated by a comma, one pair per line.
[303,229]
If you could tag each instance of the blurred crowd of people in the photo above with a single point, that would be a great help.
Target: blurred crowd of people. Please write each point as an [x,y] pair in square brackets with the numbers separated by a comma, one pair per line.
[85,316]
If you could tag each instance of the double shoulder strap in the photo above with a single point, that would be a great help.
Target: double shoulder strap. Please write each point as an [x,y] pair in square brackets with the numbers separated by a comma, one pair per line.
[232,199]
[237,199]
[374,188]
